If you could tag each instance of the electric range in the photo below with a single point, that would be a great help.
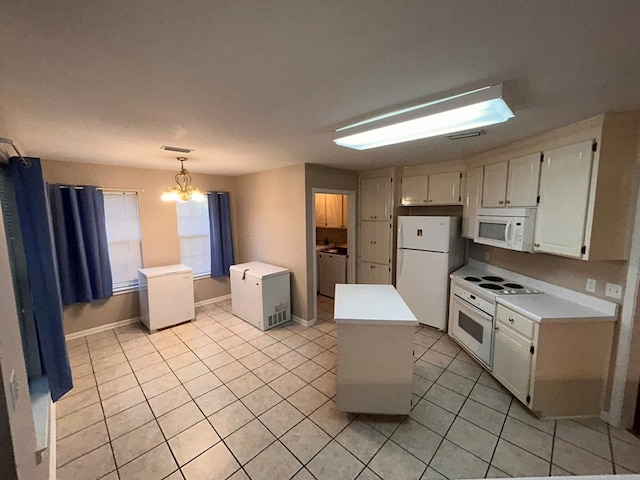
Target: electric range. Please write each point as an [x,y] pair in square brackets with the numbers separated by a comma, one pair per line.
[473,305]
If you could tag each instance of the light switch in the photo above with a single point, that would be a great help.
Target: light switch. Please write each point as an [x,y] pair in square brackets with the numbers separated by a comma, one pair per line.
[591,285]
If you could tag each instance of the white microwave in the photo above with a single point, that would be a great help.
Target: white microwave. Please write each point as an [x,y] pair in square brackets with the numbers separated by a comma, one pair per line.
[510,228]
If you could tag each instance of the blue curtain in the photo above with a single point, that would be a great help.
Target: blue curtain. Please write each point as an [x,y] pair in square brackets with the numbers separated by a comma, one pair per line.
[35,224]
[220,229]
[81,243]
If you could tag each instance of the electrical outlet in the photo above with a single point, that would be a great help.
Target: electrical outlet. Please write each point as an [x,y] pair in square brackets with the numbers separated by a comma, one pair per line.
[487,256]
[591,285]
[614,291]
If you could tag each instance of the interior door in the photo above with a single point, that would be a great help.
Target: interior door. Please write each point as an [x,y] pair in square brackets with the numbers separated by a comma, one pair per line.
[565,180]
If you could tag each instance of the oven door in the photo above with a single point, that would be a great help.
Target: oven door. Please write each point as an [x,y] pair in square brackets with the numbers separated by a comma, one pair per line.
[474,329]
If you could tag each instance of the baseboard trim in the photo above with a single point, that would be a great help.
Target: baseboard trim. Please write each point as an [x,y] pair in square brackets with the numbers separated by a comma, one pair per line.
[102,328]
[52,442]
[213,300]
[302,321]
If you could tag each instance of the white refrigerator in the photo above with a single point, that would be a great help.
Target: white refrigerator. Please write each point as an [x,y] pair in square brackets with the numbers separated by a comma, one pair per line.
[429,249]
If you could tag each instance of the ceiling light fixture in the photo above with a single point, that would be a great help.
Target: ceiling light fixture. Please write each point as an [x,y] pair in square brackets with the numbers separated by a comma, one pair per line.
[465,111]
[182,191]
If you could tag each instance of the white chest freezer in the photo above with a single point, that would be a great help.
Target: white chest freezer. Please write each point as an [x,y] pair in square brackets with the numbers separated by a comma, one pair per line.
[260,294]
[166,296]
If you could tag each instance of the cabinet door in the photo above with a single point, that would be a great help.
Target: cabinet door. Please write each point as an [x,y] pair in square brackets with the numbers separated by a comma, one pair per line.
[321,217]
[368,198]
[333,205]
[565,180]
[522,181]
[444,188]
[512,360]
[472,201]
[375,241]
[494,185]
[371,273]
[382,198]
[414,190]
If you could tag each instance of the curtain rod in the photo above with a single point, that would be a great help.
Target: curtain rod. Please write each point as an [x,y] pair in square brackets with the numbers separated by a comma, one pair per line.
[106,189]
[23,161]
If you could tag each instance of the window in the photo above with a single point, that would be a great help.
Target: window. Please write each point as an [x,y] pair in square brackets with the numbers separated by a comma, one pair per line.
[123,235]
[193,230]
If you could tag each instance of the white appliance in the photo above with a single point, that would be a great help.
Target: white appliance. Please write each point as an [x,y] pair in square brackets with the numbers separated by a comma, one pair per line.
[511,228]
[166,296]
[260,294]
[472,309]
[429,249]
[332,270]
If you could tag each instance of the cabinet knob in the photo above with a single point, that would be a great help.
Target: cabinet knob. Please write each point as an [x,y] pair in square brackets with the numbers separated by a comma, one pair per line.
[501,202]
[424,201]
[508,202]
[430,200]
[536,244]
[511,320]
[496,328]
[372,267]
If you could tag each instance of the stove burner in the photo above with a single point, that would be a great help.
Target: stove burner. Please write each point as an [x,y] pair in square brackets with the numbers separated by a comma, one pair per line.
[513,285]
[490,286]
[493,278]
[473,279]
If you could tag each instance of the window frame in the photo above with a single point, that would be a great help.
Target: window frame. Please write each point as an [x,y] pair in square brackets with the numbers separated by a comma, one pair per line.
[181,236]
[133,284]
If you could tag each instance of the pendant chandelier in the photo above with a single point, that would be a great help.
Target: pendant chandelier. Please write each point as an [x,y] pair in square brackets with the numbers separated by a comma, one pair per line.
[182,191]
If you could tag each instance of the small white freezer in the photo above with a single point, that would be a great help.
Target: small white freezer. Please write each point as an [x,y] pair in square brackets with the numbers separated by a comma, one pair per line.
[166,296]
[260,294]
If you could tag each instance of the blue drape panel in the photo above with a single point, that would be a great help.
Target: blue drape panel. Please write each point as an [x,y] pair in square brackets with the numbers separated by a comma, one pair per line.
[35,223]
[220,229]
[81,243]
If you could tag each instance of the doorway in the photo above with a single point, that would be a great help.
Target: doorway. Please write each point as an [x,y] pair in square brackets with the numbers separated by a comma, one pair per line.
[333,235]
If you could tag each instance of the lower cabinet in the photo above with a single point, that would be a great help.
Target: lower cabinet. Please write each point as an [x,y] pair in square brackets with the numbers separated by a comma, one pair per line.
[512,360]
[374,273]
[555,367]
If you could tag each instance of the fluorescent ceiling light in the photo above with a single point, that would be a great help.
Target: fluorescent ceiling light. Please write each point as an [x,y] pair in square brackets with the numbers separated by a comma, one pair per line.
[466,111]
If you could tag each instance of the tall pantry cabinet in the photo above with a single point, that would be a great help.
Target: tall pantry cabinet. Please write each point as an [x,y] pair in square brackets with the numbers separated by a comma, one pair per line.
[376,230]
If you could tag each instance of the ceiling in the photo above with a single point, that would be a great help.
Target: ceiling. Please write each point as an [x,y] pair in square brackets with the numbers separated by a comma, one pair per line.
[253,85]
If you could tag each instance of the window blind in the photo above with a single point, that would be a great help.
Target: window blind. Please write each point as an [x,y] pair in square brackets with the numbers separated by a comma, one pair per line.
[123,235]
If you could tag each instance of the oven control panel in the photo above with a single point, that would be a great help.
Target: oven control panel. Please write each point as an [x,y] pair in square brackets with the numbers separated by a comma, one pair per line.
[475,300]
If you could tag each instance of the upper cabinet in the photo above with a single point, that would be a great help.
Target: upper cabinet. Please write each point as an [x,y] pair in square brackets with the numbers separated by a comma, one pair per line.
[432,189]
[414,190]
[375,198]
[564,199]
[512,183]
[494,185]
[472,200]
[444,188]
[330,210]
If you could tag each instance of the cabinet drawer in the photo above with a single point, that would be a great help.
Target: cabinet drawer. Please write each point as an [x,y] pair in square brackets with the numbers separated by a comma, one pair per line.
[516,321]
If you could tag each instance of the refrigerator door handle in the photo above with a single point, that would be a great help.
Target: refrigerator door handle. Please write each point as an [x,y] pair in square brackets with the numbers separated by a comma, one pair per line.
[400,235]
[399,266]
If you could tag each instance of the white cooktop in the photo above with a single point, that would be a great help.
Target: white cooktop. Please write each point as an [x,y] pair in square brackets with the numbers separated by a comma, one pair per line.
[561,297]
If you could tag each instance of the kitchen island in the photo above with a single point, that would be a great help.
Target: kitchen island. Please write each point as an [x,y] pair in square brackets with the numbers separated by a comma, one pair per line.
[376,331]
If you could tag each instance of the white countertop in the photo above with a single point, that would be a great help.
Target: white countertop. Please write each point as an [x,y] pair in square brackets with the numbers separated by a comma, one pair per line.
[371,304]
[549,308]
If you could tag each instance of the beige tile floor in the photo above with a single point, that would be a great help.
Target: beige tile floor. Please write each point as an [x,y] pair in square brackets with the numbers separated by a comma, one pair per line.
[217,398]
